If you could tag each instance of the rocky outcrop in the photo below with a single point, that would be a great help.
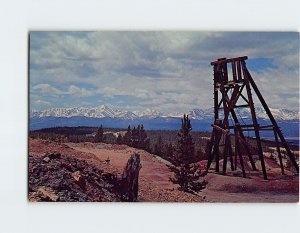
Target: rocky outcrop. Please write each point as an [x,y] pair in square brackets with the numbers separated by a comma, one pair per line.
[55,177]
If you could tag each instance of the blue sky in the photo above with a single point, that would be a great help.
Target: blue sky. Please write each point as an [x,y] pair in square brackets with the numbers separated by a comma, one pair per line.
[167,71]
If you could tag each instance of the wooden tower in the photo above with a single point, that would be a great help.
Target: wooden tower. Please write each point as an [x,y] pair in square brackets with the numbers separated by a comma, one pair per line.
[232,90]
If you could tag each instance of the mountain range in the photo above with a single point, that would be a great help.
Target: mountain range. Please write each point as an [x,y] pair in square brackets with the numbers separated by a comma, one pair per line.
[109,111]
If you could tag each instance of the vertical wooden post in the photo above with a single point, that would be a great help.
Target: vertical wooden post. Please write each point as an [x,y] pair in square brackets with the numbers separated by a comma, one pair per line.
[278,152]
[216,149]
[238,151]
[255,123]
[239,71]
[243,140]
[233,64]
[216,100]
[210,156]
[225,154]
[230,153]
[227,151]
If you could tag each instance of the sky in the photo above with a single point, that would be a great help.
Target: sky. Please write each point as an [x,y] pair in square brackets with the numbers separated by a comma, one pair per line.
[168,71]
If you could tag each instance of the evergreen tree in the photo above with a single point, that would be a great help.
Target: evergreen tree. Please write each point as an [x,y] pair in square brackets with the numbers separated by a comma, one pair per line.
[99,137]
[168,152]
[144,141]
[134,137]
[200,155]
[158,148]
[186,174]
[119,139]
[127,136]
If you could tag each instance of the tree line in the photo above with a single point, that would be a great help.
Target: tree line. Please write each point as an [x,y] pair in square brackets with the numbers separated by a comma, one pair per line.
[136,137]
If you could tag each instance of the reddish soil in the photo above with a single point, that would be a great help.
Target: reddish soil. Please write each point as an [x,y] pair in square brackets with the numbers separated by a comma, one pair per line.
[154,176]
[154,184]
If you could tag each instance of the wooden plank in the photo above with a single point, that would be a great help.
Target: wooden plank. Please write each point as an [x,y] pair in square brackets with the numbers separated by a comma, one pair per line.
[238,151]
[208,150]
[255,123]
[224,131]
[239,72]
[278,152]
[227,152]
[216,149]
[233,65]
[230,154]
[222,60]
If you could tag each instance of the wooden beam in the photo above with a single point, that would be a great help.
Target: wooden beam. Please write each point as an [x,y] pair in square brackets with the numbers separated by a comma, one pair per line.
[239,72]
[238,151]
[278,152]
[255,123]
[233,71]
[220,61]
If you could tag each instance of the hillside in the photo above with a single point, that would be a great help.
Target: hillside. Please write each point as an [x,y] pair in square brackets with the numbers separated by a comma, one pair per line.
[154,185]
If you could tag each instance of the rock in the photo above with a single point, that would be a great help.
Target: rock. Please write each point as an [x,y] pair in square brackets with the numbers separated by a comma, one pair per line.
[53,155]
[46,159]
[47,194]
[69,179]
[80,180]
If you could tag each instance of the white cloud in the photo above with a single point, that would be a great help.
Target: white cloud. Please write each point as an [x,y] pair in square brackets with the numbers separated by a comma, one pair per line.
[47,89]
[79,92]
[42,103]
[165,69]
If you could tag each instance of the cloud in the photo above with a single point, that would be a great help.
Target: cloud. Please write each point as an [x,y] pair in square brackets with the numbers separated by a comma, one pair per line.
[79,92]
[42,103]
[47,89]
[162,70]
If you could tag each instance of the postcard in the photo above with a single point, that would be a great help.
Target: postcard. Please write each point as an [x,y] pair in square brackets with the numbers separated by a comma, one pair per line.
[163,116]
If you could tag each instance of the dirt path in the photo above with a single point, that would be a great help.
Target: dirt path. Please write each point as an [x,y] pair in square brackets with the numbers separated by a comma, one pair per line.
[154,175]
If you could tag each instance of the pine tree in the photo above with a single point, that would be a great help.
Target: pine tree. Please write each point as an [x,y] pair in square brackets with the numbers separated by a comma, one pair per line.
[144,141]
[200,155]
[168,152]
[127,136]
[135,137]
[158,148]
[186,174]
[99,137]
[119,139]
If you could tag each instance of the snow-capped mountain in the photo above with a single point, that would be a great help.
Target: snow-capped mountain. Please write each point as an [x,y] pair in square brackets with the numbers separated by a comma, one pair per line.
[111,112]
[149,113]
[201,113]
[279,114]
[95,112]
